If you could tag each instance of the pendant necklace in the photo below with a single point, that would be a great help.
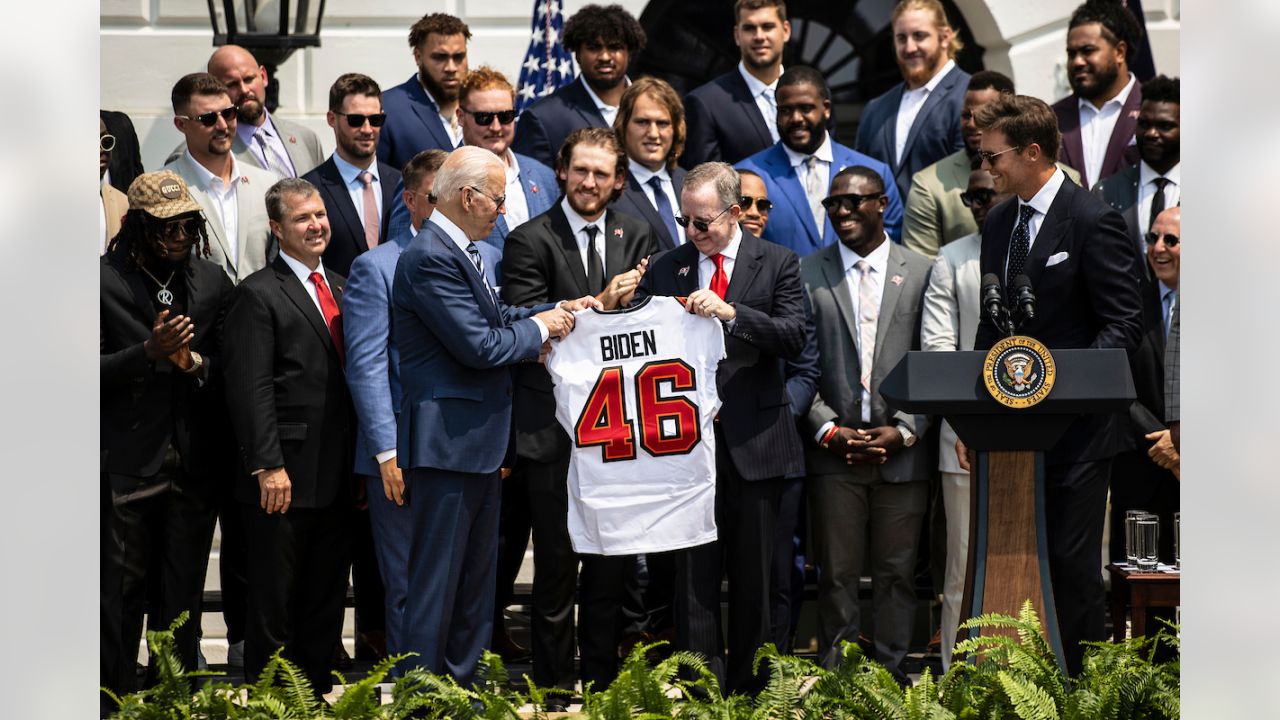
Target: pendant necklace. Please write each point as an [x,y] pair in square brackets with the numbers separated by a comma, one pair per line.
[163,295]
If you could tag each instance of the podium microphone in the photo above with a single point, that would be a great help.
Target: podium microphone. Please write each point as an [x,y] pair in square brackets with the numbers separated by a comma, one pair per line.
[993,298]
[1023,297]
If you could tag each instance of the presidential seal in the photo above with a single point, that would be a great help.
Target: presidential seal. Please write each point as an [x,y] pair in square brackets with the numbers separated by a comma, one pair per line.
[1018,372]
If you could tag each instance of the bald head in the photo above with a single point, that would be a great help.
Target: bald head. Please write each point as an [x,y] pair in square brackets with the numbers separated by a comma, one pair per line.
[1164,246]
[245,80]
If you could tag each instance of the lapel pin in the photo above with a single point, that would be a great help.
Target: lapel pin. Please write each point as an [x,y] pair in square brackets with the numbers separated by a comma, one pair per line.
[617,232]
[683,271]
[293,140]
[896,279]
[1133,113]
[533,187]
[244,179]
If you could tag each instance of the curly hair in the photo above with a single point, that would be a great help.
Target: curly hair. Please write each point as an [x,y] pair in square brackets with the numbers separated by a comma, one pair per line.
[141,229]
[437,24]
[1118,23]
[665,95]
[484,78]
[607,23]
[1161,89]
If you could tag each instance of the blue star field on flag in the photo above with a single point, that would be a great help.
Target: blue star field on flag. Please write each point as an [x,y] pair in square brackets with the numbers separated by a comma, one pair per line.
[547,64]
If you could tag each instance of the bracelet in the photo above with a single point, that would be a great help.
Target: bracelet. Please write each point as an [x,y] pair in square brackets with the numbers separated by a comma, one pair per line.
[826,439]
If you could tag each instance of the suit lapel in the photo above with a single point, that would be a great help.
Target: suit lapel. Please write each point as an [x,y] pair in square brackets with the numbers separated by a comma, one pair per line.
[889,130]
[650,215]
[568,247]
[536,198]
[996,235]
[748,107]
[243,214]
[138,291]
[488,308]
[745,267]
[1122,133]
[685,261]
[793,194]
[837,281]
[931,101]
[244,153]
[294,290]
[427,111]
[340,200]
[212,219]
[615,246]
[895,268]
[1053,229]
[1072,149]
[582,103]
[388,200]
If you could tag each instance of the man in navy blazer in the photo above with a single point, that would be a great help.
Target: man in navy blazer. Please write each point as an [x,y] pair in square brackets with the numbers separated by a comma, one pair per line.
[420,111]
[457,341]
[603,40]
[804,106]
[917,122]
[651,127]
[355,105]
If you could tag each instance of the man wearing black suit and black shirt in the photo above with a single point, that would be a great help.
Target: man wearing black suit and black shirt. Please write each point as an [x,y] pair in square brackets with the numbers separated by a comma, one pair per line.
[162,308]
[753,287]
[1085,273]
[293,418]
[578,247]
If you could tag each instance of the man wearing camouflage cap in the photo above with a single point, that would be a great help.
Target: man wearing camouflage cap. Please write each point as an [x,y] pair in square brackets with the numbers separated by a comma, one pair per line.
[162,306]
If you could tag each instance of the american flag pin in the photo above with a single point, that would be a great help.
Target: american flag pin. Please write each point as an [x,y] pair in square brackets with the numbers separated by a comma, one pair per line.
[896,279]
[1133,113]
[683,271]
[617,232]
[244,179]
[533,187]
[293,139]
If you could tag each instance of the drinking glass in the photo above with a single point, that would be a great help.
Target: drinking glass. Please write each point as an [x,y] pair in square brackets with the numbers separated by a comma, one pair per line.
[1130,535]
[1148,545]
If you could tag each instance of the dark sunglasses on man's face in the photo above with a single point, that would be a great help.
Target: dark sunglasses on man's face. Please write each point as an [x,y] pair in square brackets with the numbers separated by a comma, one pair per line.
[210,118]
[506,117]
[1170,240]
[189,227]
[762,204]
[980,197]
[356,120]
[701,225]
[848,203]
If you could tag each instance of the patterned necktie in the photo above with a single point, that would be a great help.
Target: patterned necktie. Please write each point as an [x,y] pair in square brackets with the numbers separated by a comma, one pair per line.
[371,219]
[1157,200]
[814,191]
[474,253]
[719,280]
[271,158]
[332,316]
[595,266]
[771,121]
[1021,244]
[868,314]
[663,205]
[261,136]
[1168,301]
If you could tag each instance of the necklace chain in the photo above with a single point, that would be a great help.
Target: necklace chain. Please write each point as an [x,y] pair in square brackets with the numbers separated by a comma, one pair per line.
[163,295]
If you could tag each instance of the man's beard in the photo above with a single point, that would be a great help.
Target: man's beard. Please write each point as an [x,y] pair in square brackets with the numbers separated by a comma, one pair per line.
[214,149]
[917,78]
[1104,78]
[438,93]
[606,84]
[250,108]
[355,151]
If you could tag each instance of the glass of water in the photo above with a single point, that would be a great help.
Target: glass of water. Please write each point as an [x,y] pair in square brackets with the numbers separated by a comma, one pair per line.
[1130,535]
[1177,540]
[1148,543]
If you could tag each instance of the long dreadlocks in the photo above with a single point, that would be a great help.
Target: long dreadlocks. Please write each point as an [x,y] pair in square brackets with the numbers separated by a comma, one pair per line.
[140,228]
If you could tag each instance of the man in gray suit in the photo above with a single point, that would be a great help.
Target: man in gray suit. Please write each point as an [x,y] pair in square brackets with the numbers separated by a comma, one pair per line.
[948,322]
[865,472]
[232,194]
[261,140]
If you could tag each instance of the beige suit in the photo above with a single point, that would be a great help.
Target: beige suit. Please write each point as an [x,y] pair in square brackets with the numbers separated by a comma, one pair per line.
[114,205]
[254,246]
[302,146]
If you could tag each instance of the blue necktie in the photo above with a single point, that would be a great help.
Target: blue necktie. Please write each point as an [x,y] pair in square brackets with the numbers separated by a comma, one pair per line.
[663,205]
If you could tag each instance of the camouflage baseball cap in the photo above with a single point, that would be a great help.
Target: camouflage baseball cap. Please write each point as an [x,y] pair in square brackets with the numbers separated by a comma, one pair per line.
[161,194]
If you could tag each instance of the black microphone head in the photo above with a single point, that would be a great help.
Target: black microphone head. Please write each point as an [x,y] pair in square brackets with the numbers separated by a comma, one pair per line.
[990,279]
[1022,281]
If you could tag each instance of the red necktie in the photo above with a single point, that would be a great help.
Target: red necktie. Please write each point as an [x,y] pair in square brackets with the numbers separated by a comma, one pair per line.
[719,281]
[332,317]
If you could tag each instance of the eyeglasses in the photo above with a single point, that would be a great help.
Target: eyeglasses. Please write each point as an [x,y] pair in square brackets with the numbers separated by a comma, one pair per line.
[498,201]
[506,117]
[1170,240]
[355,120]
[210,118]
[980,197]
[190,227]
[848,202]
[762,204]
[702,225]
[106,143]
[990,157]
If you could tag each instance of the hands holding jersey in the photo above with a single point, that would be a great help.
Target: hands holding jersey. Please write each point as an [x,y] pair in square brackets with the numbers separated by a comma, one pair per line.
[559,320]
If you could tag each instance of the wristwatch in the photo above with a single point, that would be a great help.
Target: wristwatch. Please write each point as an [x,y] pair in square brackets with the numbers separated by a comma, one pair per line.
[197,362]
[908,437]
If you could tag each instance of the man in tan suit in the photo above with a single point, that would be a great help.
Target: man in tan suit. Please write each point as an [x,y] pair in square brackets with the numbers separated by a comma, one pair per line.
[232,194]
[114,203]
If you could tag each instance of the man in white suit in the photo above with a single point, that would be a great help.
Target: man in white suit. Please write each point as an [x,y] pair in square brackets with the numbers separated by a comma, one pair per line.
[232,194]
[949,321]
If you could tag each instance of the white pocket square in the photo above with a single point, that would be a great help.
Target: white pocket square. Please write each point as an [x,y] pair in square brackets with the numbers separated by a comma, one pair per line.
[1056,258]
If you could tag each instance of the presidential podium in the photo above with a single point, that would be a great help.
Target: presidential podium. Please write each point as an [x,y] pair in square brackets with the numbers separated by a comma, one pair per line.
[1008,552]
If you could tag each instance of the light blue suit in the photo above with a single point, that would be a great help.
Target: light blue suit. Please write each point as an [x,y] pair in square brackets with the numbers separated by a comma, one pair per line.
[791,221]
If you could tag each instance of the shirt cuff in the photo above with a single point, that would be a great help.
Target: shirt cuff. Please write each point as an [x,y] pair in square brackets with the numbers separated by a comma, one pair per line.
[385,455]
[823,430]
[542,328]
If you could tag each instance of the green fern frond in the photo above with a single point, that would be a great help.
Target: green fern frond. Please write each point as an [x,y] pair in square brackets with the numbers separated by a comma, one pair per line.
[1029,701]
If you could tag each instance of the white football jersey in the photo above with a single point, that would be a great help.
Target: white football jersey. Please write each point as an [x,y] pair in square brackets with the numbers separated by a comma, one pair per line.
[636,391]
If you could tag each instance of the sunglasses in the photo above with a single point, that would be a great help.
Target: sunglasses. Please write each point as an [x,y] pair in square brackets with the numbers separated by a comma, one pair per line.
[356,120]
[190,227]
[498,201]
[506,117]
[1170,240]
[977,198]
[702,225]
[106,143]
[848,203]
[990,157]
[210,119]
[762,204]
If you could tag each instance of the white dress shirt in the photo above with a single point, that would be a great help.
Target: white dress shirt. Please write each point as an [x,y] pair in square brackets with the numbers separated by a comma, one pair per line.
[909,108]
[304,275]
[707,266]
[351,178]
[1096,126]
[1040,202]
[517,212]
[225,202]
[609,112]
[1147,190]
[642,175]
[579,225]
[452,127]
[822,168]
[765,98]
[879,261]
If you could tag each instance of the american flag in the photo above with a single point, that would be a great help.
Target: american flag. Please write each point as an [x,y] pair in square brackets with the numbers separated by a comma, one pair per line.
[547,65]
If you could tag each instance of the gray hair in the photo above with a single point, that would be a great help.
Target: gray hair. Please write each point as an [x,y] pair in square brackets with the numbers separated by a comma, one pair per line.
[722,176]
[287,186]
[466,166]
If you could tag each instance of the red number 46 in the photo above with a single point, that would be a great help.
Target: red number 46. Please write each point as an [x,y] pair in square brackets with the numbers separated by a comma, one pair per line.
[604,419]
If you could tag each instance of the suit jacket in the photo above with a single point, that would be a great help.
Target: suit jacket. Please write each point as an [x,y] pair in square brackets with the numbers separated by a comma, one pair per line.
[839,397]
[790,221]
[635,203]
[934,134]
[413,124]
[456,345]
[147,405]
[125,164]
[723,122]
[255,245]
[286,392]
[950,318]
[1090,299]
[544,125]
[114,206]
[1147,413]
[543,265]
[756,422]
[300,144]
[347,241]
[1120,191]
[1121,150]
